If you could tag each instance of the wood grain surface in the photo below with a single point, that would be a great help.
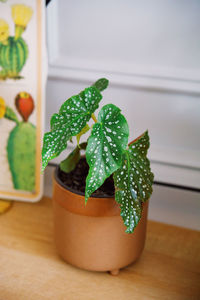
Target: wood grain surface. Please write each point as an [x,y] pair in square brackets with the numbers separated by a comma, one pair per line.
[30,268]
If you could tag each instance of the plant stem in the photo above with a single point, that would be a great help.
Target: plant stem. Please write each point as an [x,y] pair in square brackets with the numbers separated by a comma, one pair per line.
[94,118]
[18,31]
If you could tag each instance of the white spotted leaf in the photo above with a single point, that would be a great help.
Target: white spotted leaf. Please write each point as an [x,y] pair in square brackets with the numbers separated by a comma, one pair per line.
[105,147]
[71,119]
[101,84]
[133,182]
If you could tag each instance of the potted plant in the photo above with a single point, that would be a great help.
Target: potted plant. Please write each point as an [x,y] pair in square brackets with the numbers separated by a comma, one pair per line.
[92,191]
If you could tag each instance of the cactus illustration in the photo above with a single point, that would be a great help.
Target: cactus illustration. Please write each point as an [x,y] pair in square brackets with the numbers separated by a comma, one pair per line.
[13,56]
[25,105]
[13,49]
[21,145]
[4,31]
[21,156]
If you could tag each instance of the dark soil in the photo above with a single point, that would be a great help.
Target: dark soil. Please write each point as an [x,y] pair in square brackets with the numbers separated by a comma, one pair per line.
[76,179]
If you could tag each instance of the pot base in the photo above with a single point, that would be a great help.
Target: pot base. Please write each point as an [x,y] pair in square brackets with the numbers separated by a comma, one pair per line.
[97,243]
[115,272]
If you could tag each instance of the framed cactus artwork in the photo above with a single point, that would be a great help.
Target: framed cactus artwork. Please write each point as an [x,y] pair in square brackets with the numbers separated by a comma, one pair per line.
[14,49]
[22,86]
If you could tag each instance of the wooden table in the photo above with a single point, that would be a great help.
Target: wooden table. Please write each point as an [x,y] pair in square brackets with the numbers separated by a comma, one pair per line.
[30,268]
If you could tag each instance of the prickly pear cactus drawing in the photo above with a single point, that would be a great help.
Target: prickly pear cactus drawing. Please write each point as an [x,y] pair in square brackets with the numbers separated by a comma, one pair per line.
[21,145]
[13,49]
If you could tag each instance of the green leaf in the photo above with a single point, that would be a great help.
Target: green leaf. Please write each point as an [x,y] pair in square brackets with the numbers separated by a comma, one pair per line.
[125,195]
[71,119]
[106,144]
[140,164]
[101,84]
[55,141]
[71,161]
[133,182]
[78,109]
[11,115]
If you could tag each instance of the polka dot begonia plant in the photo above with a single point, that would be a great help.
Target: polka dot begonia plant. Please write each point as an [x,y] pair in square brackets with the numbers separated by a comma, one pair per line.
[107,150]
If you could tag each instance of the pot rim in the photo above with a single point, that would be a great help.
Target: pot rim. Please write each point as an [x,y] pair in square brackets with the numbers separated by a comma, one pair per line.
[59,181]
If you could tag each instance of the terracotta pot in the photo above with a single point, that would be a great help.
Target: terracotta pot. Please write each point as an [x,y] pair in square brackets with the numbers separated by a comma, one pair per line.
[93,237]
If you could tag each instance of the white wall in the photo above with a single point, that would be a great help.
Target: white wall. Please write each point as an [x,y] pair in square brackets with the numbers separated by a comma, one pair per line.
[150,51]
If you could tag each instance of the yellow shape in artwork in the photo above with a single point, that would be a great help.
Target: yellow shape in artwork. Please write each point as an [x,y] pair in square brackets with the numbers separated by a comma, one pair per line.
[4,30]
[2,108]
[21,14]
